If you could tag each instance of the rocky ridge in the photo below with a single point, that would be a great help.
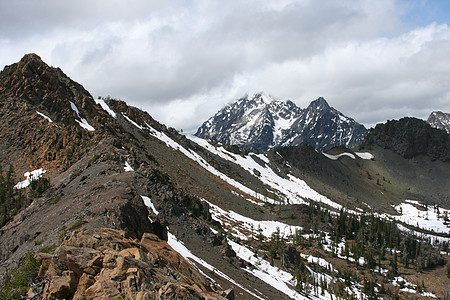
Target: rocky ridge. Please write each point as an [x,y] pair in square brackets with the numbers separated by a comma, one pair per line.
[88,186]
[262,123]
[411,137]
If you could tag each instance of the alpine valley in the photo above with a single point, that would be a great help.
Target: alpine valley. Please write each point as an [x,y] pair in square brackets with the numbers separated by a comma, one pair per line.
[100,201]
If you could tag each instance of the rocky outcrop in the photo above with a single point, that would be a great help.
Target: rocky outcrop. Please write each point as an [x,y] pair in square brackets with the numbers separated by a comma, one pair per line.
[439,120]
[411,137]
[105,263]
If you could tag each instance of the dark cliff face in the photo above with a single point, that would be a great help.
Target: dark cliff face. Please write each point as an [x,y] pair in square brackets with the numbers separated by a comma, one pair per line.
[262,123]
[411,137]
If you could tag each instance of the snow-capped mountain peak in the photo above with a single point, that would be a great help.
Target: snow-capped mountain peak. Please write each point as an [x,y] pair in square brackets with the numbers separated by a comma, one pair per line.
[263,97]
[440,120]
[260,122]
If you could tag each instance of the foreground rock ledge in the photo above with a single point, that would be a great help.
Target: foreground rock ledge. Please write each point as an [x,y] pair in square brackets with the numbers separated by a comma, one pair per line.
[105,264]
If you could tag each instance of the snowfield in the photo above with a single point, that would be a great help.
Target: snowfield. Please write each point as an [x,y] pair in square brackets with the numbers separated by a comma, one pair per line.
[131,121]
[243,227]
[409,287]
[291,190]
[365,155]
[279,279]
[336,157]
[431,218]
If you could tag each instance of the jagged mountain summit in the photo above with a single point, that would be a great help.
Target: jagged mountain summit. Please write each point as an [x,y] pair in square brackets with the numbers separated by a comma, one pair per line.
[260,122]
[440,120]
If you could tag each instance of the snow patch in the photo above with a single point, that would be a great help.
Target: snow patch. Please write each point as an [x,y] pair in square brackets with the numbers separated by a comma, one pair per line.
[244,227]
[83,123]
[148,202]
[31,176]
[132,122]
[273,276]
[291,190]
[336,157]
[362,155]
[106,107]
[44,116]
[317,260]
[365,155]
[409,287]
[127,167]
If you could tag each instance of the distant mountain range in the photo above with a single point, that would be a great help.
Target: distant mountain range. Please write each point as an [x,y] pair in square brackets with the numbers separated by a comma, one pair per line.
[260,122]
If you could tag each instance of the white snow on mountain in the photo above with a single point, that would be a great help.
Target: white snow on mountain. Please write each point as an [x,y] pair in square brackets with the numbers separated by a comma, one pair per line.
[336,157]
[440,120]
[127,167]
[30,176]
[365,155]
[279,279]
[291,190]
[260,122]
[362,155]
[431,218]
[83,122]
[105,106]
[246,228]
[178,246]
[148,202]
[131,121]
[44,116]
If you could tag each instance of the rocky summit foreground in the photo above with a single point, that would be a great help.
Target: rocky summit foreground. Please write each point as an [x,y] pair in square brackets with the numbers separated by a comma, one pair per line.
[104,264]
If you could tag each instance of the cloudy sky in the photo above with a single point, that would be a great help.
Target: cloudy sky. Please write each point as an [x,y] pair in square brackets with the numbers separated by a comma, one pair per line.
[183,60]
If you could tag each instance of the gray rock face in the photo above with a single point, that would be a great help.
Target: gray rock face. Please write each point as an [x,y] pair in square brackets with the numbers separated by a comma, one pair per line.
[262,123]
[411,137]
[440,120]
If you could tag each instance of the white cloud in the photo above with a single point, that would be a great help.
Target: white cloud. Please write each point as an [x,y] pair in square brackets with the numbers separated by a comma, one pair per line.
[404,75]
[182,61]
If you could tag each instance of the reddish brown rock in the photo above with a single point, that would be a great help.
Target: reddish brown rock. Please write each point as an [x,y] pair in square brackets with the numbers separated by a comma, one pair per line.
[104,264]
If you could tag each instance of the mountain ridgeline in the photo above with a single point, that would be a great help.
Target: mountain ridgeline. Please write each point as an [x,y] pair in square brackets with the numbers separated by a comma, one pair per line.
[262,123]
[411,137]
[100,201]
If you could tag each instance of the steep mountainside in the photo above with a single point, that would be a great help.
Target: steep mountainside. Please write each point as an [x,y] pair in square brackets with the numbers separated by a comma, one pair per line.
[114,205]
[262,123]
[411,137]
[440,120]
